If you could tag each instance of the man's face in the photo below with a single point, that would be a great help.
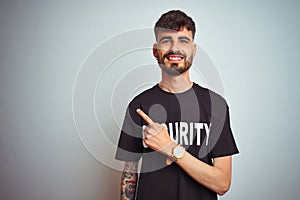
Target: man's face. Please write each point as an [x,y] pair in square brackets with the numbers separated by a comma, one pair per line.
[174,51]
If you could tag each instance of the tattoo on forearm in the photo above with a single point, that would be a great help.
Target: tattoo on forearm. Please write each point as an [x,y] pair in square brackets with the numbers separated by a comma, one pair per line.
[129,181]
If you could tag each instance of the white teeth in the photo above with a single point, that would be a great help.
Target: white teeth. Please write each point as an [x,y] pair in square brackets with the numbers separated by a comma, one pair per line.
[175,58]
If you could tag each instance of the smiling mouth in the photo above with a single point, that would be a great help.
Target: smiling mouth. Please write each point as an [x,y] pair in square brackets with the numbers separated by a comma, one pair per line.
[175,58]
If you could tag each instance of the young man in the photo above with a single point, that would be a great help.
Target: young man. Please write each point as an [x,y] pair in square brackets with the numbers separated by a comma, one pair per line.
[181,130]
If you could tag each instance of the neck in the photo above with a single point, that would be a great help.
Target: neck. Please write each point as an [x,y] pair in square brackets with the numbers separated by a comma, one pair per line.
[175,84]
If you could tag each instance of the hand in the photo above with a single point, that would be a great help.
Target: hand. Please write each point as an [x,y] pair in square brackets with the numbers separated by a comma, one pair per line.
[156,136]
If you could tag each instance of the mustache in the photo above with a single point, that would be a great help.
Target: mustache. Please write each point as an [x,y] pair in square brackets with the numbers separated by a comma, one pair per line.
[178,53]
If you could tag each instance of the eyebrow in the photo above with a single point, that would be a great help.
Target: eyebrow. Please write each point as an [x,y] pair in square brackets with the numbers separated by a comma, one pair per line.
[184,37]
[180,38]
[165,37]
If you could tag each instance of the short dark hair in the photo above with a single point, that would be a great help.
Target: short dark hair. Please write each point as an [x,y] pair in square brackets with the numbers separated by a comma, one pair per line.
[175,20]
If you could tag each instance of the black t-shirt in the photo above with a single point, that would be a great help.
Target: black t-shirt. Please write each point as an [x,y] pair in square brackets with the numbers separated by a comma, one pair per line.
[197,119]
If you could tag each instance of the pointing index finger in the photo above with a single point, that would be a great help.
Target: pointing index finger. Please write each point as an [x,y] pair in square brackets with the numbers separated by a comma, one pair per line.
[147,119]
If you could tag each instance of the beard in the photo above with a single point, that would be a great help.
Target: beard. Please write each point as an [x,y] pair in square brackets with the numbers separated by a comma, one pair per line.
[175,69]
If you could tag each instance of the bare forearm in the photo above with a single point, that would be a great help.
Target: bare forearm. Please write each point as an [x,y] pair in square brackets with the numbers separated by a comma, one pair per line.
[129,181]
[213,177]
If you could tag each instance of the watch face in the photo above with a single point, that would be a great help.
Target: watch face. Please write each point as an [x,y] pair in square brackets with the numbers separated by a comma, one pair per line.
[179,151]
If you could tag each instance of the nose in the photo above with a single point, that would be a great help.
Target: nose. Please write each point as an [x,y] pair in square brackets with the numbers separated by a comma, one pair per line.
[175,46]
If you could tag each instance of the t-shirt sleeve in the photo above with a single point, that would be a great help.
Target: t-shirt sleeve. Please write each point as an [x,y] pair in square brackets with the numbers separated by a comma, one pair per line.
[130,144]
[222,140]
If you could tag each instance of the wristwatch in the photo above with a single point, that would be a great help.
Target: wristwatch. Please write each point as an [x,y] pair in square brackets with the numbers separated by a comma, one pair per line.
[178,152]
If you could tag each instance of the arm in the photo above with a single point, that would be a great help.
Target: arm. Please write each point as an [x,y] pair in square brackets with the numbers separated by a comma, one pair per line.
[216,177]
[129,181]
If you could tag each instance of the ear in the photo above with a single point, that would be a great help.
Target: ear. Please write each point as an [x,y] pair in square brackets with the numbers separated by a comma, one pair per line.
[194,49]
[154,50]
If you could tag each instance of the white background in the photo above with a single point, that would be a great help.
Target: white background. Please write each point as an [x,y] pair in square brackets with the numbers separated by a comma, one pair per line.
[254,46]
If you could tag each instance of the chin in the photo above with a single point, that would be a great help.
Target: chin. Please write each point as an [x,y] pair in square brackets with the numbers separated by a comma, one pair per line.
[173,70]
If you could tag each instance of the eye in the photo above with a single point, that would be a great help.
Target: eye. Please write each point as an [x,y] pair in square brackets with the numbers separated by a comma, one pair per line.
[166,41]
[185,41]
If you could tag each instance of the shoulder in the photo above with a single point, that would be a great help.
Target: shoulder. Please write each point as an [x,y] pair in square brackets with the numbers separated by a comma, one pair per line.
[144,96]
[208,95]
